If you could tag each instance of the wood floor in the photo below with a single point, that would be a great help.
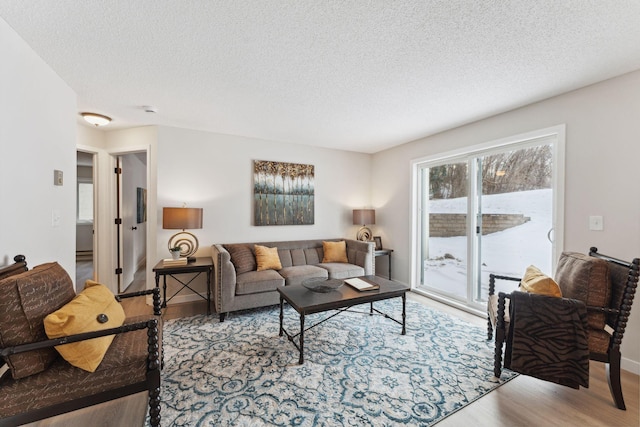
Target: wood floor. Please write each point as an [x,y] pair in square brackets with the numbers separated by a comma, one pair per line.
[524,401]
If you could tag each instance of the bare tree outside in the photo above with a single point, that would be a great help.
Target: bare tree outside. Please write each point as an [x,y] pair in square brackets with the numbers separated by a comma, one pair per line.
[518,170]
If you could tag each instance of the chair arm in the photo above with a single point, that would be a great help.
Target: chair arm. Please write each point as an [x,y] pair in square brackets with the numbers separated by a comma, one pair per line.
[492,281]
[156,298]
[151,325]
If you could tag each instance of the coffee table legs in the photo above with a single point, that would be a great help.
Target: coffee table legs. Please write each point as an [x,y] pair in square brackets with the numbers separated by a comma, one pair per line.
[292,337]
[281,316]
[300,335]
[404,314]
[301,359]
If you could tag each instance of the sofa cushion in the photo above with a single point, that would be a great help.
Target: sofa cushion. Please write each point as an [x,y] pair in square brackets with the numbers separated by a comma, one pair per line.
[313,255]
[585,278]
[93,309]
[536,282]
[297,274]
[335,251]
[242,257]
[253,282]
[26,299]
[267,258]
[339,270]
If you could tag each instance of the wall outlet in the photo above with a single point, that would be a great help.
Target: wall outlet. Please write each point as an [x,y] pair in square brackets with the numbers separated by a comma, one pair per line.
[596,223]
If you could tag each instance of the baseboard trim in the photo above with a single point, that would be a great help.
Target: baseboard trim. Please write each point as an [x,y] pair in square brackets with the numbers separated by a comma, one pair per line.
[630,366]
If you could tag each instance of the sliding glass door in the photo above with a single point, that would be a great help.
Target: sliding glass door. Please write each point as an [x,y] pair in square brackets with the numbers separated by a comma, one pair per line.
[444,243]
[490,210]
[515,213]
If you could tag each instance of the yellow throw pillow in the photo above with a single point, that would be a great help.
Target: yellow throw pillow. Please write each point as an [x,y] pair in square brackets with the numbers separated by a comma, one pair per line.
[536,282]
[93,309]
[334,251]
[267,258]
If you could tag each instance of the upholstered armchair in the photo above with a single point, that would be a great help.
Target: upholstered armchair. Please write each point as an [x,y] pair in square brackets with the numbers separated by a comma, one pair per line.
[553,338]
[61,351]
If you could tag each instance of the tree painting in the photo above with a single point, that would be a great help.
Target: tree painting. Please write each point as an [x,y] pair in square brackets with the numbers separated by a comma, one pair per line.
[283,193]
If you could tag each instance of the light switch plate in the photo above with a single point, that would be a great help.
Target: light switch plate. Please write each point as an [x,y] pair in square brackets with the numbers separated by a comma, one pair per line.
[596,223]
[57,177]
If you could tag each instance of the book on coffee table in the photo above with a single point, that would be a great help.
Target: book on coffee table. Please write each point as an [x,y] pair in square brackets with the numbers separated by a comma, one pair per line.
[361,285]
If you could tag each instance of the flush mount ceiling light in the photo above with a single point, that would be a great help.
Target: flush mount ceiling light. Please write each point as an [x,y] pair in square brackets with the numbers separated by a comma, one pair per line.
[96,119]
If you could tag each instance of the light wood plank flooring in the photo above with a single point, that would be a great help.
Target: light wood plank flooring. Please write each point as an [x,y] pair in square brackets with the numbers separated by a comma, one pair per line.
[524,401]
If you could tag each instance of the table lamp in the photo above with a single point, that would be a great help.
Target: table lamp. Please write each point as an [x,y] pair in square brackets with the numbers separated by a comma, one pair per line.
[182,218]
[364,217]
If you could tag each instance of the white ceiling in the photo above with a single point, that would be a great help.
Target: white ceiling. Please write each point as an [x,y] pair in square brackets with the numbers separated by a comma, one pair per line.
[356,75]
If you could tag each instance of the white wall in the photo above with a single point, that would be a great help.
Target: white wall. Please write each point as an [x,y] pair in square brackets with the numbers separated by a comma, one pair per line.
[37,128]
[215,172]
[601,175]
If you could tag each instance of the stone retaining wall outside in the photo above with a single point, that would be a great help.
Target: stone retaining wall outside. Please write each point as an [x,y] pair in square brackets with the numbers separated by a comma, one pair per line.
[450,225]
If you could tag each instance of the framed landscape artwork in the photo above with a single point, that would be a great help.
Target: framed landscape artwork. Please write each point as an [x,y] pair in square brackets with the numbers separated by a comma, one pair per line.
[283,193]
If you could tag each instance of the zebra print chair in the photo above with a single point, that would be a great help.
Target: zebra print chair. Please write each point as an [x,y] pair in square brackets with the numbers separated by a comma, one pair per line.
[607,302]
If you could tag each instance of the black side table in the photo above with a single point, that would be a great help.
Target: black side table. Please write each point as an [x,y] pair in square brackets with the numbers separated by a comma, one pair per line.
[384,252]
[200,265]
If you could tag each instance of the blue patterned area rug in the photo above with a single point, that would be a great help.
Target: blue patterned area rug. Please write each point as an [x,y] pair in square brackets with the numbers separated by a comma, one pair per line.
[358,369]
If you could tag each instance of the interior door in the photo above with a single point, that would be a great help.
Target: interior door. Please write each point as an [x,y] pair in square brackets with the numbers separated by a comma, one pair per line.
[131,217]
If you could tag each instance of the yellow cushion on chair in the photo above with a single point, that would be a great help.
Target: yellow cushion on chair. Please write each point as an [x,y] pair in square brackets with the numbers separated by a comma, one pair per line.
[267,258]
[334,251]
[536,282]
[93,309]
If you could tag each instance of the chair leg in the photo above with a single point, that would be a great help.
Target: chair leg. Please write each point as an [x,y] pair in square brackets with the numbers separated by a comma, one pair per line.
[613,377]
[500,337]
[154,407]
[497,357]
[489,328]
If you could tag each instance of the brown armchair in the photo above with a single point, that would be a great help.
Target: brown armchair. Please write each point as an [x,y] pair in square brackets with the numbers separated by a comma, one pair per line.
[598,291]
[40,383]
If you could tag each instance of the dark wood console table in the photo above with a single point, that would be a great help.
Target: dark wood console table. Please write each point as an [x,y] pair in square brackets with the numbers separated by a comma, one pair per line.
[200,265]
[387,253]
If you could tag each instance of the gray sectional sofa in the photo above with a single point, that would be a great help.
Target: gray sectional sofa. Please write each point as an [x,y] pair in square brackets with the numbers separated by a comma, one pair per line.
[238,286]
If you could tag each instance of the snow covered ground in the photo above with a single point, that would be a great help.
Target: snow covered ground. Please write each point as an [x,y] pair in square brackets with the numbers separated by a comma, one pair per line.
[507,252]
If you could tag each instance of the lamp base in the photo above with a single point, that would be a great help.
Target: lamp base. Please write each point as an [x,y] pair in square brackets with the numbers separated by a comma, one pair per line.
[187,242]
[364,234]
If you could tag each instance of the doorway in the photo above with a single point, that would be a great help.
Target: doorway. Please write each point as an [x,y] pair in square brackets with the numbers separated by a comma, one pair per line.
[131,222]
[491,209]
[85,219]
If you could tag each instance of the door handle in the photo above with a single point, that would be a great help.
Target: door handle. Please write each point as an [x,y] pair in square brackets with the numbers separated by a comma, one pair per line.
[134,228]
[549,235]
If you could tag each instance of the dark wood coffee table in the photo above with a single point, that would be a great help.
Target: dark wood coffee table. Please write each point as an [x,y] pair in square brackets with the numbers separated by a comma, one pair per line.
[305,301]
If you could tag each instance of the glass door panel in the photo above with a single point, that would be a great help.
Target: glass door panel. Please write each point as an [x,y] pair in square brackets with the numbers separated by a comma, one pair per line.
[444,229]
[515,214]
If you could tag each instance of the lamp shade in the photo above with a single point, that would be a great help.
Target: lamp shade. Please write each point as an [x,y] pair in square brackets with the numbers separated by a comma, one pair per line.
[364,216]
[181,218]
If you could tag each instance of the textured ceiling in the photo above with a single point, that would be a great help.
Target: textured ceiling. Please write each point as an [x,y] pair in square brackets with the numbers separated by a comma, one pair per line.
[355,75]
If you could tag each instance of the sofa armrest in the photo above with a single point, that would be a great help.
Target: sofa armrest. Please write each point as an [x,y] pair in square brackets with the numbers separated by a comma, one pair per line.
[361,254]
[224,283]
